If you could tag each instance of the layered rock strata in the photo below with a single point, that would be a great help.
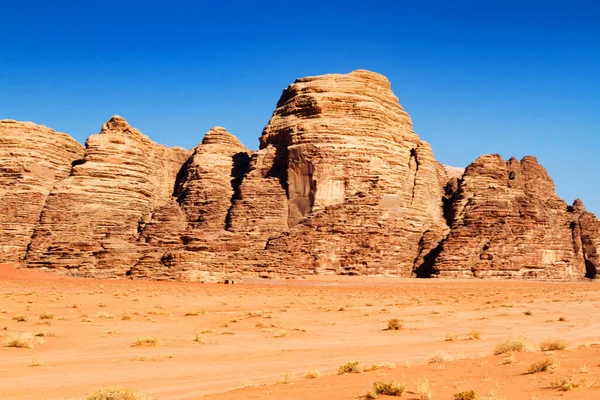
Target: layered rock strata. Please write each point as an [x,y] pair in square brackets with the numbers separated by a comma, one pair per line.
[92,220]
[506,221]
[33,159]
[340,185]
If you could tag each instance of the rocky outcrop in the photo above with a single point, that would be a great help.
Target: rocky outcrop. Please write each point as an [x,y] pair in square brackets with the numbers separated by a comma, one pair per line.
[33,159]
[362,188]
[341,184]
[92,220]
[506,221]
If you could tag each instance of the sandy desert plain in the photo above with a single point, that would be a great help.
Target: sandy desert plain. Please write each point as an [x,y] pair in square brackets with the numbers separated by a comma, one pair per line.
[288,339]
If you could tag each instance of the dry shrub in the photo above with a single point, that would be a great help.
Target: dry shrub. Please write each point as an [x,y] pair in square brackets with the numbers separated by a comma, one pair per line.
[21,341]
[475,334]
[553,344]
[511,345]
[313,374]
[564,384]
[148,341]
[20,318]
[465,395]
[350,368]
[439,357]
[541,366]
[394,324]
[117,393]
[386,388]
[423,390]
[46,315]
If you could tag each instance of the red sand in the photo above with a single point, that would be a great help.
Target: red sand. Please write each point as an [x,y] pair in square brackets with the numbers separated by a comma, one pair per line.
[259,334]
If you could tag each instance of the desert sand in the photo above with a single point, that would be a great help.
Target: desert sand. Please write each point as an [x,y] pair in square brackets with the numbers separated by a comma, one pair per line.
[258,339]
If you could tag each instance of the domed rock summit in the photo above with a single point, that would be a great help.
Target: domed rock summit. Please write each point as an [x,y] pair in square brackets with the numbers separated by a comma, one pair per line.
[341,184]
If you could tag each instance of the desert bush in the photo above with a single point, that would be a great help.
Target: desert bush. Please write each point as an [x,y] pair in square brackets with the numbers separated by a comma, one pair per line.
[313,374]
[20,318]
[553,344]
[386,388]
[465,395]
[541,366]
[475,334]
[528,313]
[451,337]
[439,357]
[423,390]
[117,393]
[46,315]
[148,341]
[394,324]
[350,368]
[37,363]
[21,341]
[511,345]
[564,384]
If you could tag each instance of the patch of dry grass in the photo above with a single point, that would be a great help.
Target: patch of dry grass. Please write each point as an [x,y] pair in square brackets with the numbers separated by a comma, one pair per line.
[465,395]
[512,345]
[117,393]
[553,344]
[20,318]
[147,341]
[543,365]
[21,341]
[313,374]
[350,368]
[394,324]
[439,357]
[386,388]
[423,390]
[46,315]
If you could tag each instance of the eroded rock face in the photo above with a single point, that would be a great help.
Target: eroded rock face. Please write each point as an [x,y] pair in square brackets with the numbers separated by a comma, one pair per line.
[33,159]
[506,221]
[362,187]
[92,220]
[340,185]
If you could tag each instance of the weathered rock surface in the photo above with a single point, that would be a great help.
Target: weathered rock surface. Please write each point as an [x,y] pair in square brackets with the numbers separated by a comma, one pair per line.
[362,187]
[506,221]
[92,220]
[340,185]
[33,159]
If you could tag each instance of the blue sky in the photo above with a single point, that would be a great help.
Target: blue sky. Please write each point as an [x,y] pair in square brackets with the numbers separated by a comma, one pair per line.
[510,77]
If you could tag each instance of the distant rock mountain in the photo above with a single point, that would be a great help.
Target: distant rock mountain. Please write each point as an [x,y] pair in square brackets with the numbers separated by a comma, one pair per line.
[341,184]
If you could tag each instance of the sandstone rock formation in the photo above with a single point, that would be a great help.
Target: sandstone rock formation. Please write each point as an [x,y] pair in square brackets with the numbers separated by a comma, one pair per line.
[340,185]
[33,159]
[91,220]
[506,221]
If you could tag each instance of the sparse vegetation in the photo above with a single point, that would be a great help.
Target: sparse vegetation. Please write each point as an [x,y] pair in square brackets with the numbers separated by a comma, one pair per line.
[125,317]
[528,313]
[350,368]
[439,357]
[117,393]
[541,366]
[465,395]
[281,334]
[46,315]
[553,344]
[451,337]
[37,363]
[313,374]
[394,324]
[21,341]
[148,341]
[564,384]
[475,334]
[512,345]
[423,390]
[386,388]
[20,318]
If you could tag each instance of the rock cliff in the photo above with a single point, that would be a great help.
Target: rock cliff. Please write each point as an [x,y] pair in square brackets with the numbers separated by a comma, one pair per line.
[341,184]
[33,159]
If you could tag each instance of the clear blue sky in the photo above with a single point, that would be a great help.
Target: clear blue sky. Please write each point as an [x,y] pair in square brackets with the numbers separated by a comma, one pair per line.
[510,77]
